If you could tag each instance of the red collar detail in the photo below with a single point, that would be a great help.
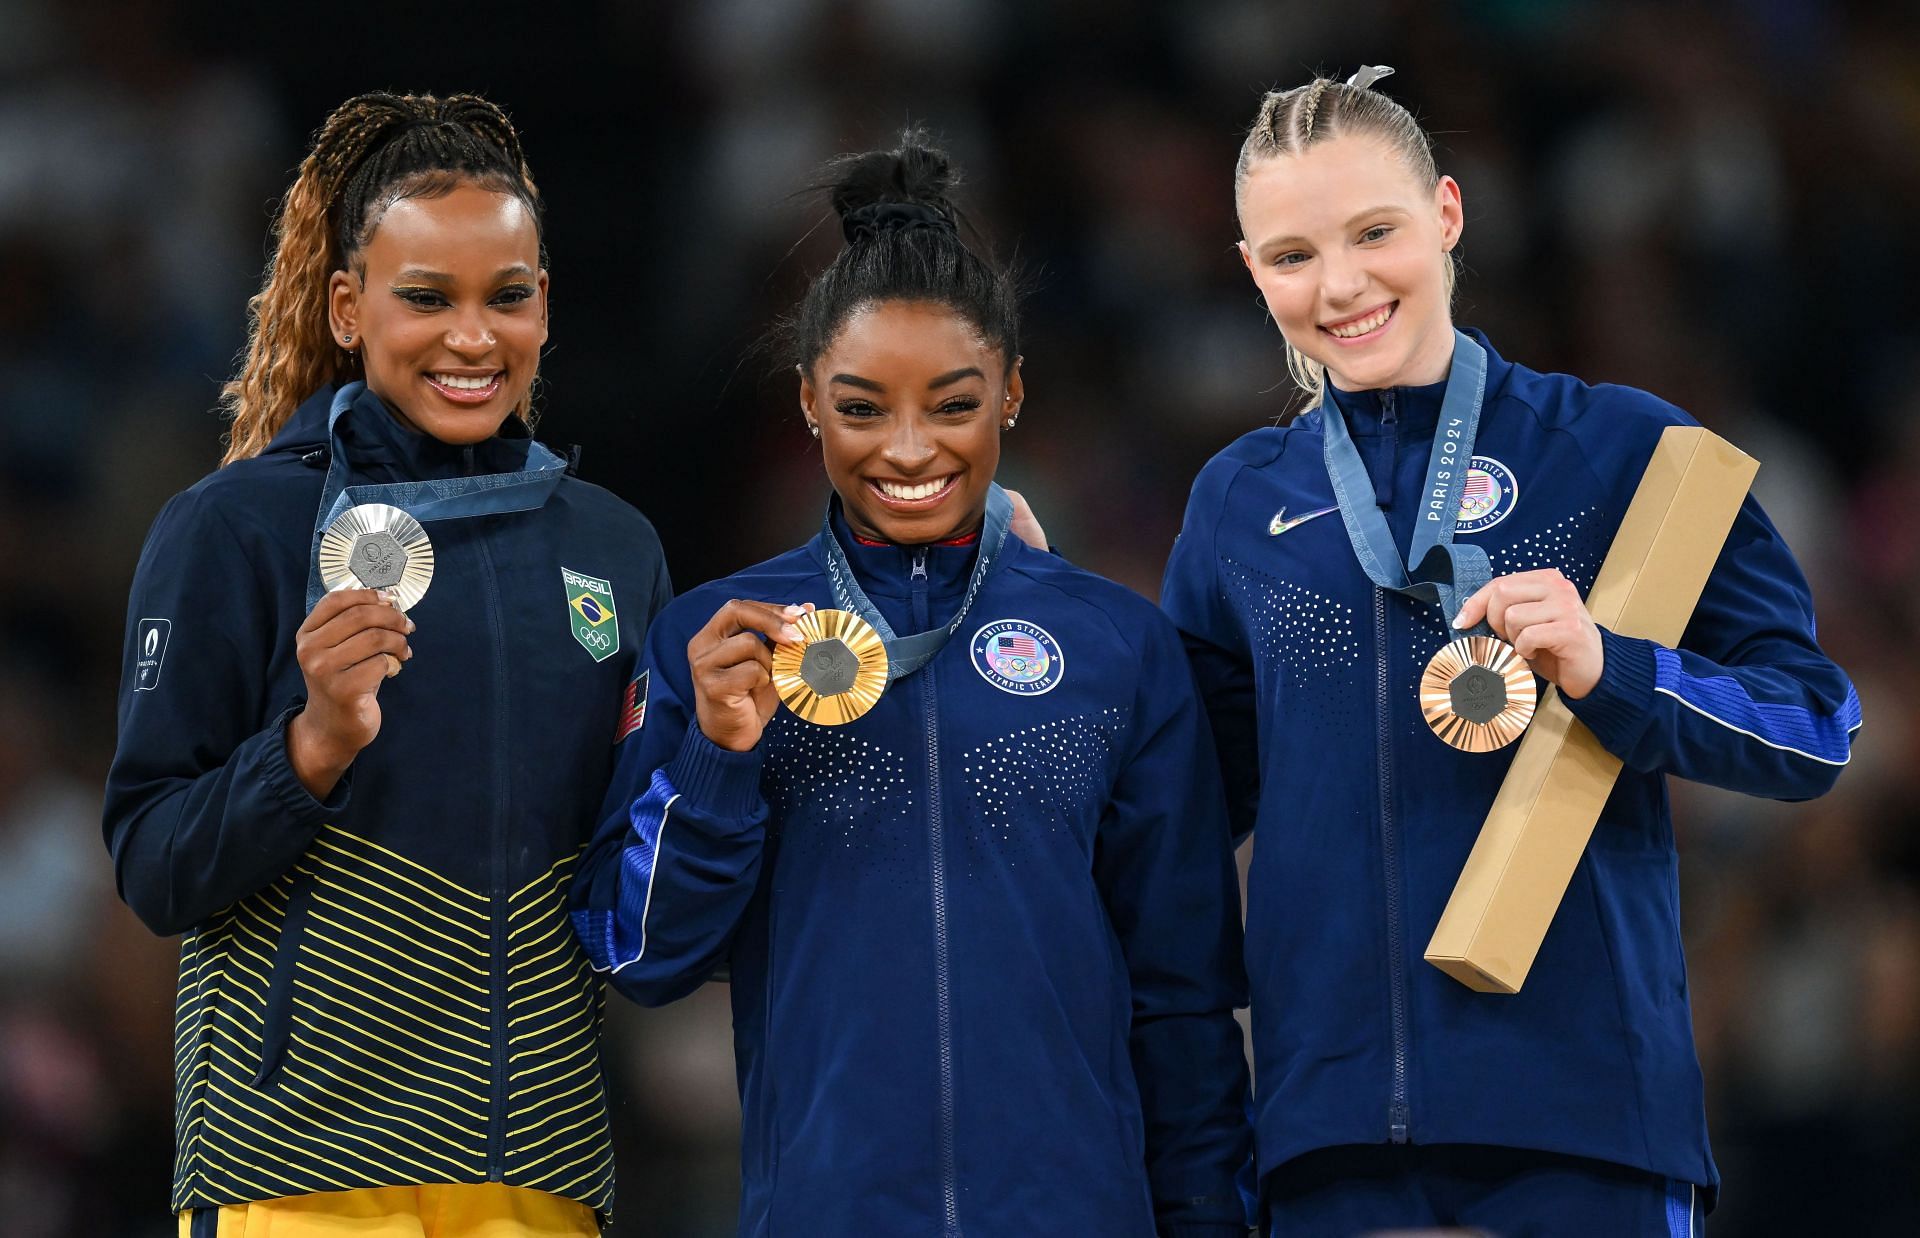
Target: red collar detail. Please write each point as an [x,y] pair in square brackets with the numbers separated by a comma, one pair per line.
[968,540]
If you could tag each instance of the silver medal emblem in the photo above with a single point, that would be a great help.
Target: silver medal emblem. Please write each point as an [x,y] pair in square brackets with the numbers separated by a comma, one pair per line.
[376,546]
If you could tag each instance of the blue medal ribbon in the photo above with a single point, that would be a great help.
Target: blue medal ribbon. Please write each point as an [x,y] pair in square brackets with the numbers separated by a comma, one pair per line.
[1442,571]
[907,654]
[452,498]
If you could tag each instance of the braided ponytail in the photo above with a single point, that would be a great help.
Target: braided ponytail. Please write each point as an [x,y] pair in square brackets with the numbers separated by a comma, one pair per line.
[374,150]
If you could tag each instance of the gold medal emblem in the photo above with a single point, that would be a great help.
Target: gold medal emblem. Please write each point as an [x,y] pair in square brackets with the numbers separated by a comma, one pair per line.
[375,546]
[1477,694]
[836,672]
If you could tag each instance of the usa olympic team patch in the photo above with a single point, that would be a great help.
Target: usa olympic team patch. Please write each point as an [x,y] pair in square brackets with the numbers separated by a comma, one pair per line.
[1018,657]
[1488,496]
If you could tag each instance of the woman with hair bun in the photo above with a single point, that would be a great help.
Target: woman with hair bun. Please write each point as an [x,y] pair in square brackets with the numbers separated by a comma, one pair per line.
[364,818]
[1327,570]
[942,802]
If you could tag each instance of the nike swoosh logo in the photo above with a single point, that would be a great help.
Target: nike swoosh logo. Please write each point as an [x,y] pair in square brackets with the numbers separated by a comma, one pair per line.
[1281,524]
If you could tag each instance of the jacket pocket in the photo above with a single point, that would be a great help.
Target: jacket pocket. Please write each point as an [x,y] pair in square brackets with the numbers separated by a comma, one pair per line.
[277,1022]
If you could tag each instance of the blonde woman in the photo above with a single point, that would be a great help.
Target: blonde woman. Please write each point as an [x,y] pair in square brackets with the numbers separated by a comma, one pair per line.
[1434,490]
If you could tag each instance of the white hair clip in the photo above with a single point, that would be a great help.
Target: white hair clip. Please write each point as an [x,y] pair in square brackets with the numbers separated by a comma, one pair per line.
[1368,75]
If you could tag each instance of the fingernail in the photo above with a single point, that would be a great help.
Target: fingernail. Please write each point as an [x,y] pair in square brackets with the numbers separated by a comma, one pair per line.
[792,612]
[411,625]
[789,634]
[390,598]
[1457,617]
[809,608]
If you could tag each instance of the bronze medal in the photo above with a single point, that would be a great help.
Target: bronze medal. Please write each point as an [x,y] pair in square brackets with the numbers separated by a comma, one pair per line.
[1477,694]
[837,671]
[375,546]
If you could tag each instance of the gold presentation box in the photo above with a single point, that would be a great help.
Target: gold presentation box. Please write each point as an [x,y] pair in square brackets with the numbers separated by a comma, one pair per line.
[1520,865]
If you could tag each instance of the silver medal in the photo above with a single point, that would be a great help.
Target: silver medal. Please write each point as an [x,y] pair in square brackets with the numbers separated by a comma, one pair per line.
[376,546]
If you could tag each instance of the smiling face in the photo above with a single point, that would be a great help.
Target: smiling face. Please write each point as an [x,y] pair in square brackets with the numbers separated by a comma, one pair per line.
[447,307]
[1348,249]
[910,401]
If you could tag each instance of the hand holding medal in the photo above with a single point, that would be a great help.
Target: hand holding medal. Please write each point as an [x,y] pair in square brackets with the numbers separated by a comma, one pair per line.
[1542,616]
[352,641]
[732,660]
[1477,693]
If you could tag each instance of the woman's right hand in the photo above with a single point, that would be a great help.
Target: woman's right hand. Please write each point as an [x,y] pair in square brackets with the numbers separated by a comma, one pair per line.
[732,665]
[353,640]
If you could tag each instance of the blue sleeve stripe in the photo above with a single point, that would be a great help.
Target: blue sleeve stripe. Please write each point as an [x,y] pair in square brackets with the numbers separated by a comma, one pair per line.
[637,868]
[1826,738]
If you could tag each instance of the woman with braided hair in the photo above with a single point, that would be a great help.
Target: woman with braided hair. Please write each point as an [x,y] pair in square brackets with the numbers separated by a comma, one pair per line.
[364,818]
[972,878]
[1326,579]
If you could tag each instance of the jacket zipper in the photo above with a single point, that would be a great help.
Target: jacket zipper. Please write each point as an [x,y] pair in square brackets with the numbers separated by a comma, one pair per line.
[497,910]
[1399,1116]
[1397,1110]
[942,986]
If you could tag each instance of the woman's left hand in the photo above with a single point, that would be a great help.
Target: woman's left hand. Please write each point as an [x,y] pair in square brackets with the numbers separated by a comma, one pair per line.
[1541,615]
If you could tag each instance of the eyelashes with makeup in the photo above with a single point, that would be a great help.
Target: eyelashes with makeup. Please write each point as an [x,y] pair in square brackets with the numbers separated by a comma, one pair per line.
[431,298]
[863,408]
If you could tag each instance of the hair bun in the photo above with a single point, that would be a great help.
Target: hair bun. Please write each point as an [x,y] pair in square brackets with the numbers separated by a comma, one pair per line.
[863,223]
[915,174]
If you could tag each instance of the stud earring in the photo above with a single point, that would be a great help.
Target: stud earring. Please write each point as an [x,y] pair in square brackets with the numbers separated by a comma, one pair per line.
[1008,423]
[814,428]
[346,339]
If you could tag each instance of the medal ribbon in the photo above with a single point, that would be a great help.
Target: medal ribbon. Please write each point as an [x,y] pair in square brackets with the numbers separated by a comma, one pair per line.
[452,498]
[907,654]
[1442,572]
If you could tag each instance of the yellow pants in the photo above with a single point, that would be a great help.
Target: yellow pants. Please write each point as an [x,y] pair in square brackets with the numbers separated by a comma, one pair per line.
[452,1210]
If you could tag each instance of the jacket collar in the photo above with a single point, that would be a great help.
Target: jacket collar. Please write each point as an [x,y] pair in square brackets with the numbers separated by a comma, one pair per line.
[887,568]
[381,448]
[1416,410]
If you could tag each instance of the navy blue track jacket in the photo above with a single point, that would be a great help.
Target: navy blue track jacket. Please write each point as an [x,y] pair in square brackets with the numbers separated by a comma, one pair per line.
[984,940]
[381,988]
[1365,818]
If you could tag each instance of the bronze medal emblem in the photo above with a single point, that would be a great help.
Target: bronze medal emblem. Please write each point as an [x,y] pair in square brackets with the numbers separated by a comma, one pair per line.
[1477,694]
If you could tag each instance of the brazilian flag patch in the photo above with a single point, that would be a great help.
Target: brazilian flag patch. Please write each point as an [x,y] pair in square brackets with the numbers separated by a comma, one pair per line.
[590,610]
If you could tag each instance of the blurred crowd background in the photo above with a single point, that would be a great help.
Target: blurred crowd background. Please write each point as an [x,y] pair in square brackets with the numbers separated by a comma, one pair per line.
[1715,201]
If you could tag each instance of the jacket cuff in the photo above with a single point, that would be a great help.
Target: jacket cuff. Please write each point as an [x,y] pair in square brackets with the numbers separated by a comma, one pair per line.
[1619,707]
[714,781]
[276,771]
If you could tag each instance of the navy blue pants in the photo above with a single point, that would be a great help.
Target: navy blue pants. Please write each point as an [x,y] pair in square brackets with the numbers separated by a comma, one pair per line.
[1506,1192]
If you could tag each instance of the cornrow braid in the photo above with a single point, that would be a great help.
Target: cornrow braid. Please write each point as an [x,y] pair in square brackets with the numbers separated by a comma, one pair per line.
[1291,121]
[375,149]
[1308,108]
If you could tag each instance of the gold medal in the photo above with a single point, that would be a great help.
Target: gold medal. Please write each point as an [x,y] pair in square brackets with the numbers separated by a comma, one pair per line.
[375,546]
[1477,694]
[836,672]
